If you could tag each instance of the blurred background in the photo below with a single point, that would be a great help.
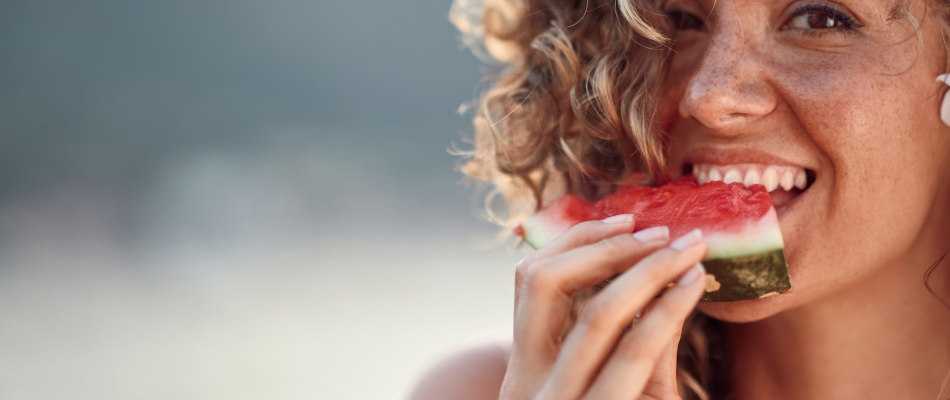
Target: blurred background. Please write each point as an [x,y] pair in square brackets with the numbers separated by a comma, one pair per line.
[227,199]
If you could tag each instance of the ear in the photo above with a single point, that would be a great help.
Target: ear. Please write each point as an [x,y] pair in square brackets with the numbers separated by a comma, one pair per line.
[945,105]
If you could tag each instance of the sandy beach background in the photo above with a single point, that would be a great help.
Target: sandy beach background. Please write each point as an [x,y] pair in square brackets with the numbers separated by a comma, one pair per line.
[236,200]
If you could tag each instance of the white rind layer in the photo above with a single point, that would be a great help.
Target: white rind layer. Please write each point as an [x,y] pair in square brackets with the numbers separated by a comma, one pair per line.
[759,236]
[539,231]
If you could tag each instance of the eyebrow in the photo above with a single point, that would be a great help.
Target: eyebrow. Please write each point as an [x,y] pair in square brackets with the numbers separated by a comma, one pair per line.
[898,10]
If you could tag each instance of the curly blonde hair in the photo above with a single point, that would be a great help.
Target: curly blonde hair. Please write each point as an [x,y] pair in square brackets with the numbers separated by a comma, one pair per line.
[572,110]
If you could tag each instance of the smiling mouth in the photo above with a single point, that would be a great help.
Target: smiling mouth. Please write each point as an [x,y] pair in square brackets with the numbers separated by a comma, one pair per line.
[784,183]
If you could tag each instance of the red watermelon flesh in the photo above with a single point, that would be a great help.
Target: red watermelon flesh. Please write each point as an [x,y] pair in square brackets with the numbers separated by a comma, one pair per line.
[745,258]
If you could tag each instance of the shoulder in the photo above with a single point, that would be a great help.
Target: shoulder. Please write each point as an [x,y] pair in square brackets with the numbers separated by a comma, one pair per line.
[472,372]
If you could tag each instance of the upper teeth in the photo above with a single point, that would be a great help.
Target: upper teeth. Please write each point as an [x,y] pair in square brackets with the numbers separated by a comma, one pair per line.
[770,176]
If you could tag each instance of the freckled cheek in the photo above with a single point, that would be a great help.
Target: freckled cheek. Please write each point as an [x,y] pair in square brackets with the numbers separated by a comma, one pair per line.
[861,122]
[855,119]
[852,108]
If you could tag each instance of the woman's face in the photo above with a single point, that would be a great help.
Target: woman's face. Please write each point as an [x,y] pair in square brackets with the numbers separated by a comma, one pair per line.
[841,89]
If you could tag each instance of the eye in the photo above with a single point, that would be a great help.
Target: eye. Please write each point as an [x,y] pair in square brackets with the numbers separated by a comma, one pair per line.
[820,16]
[685,21]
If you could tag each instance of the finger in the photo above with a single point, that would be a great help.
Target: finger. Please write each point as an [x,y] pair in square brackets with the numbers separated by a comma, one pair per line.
[545,288]
[586,266]
[637,356]
[607,315]
[586,233]
[665,369]
[582,234]
[664,373]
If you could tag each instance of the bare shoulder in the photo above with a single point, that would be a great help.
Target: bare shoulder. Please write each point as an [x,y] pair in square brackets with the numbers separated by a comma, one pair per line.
[473,372]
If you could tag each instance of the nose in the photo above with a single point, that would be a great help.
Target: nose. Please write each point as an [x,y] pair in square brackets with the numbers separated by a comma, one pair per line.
[729,89]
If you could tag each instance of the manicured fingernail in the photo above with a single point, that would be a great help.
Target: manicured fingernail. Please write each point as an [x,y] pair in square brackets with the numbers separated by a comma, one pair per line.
[654,233]
[688,240]
[616,219]
[693,274]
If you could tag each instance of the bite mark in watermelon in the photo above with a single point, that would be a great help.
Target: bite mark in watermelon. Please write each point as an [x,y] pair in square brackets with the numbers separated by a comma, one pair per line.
[744,259]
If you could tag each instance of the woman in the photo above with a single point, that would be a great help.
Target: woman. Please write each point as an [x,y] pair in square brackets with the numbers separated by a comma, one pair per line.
[593,92]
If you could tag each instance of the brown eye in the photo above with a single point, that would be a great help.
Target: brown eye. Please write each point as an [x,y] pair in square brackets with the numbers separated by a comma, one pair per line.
[683,21]
[821,17]
[815,21]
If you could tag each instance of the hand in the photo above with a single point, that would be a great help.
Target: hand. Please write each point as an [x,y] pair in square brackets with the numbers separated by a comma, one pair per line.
[603,356]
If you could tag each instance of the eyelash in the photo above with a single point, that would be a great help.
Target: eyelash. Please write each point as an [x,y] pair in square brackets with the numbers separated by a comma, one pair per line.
[849,25]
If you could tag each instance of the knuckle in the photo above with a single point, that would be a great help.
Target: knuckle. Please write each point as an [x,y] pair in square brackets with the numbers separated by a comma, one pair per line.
[668,318]
[654,273]
[658,268]
[616,247]
[596,317]
[535,277]
[635,349]
[591,229]
[583,231]
[665,313]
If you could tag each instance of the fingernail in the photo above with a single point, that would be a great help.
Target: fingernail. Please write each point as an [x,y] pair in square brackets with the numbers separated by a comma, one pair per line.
[616,219]
[651,234]
[688,240]
[692,275]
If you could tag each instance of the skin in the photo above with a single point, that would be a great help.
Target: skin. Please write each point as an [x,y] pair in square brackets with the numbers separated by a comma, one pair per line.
[603,356]
[860,110]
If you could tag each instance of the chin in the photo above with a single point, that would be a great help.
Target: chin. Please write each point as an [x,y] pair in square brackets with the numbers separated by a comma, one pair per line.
[749,310]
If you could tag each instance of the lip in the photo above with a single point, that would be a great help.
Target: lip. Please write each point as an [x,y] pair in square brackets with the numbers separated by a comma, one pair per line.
[793,203]
[718,155]
[736,155]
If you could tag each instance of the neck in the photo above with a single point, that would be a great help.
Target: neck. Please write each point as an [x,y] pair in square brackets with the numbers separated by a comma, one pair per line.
[886,337]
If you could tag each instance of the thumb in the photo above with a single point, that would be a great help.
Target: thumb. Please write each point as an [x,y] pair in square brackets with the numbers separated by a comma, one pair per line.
[667,364]
[662,382]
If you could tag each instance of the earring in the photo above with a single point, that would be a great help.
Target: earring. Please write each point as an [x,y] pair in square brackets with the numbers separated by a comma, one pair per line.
[945,105]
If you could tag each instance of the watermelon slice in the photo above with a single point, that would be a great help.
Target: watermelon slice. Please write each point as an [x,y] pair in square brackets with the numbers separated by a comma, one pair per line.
[744,258]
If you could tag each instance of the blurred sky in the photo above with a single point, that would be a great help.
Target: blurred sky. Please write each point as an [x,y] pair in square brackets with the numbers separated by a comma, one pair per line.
[236,200]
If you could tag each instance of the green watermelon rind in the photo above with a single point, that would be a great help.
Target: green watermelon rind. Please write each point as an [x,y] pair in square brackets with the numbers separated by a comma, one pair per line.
[745,278]
[742,264]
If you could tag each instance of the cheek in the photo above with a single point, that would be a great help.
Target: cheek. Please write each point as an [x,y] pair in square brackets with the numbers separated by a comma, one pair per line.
[878,180]
[872,123]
